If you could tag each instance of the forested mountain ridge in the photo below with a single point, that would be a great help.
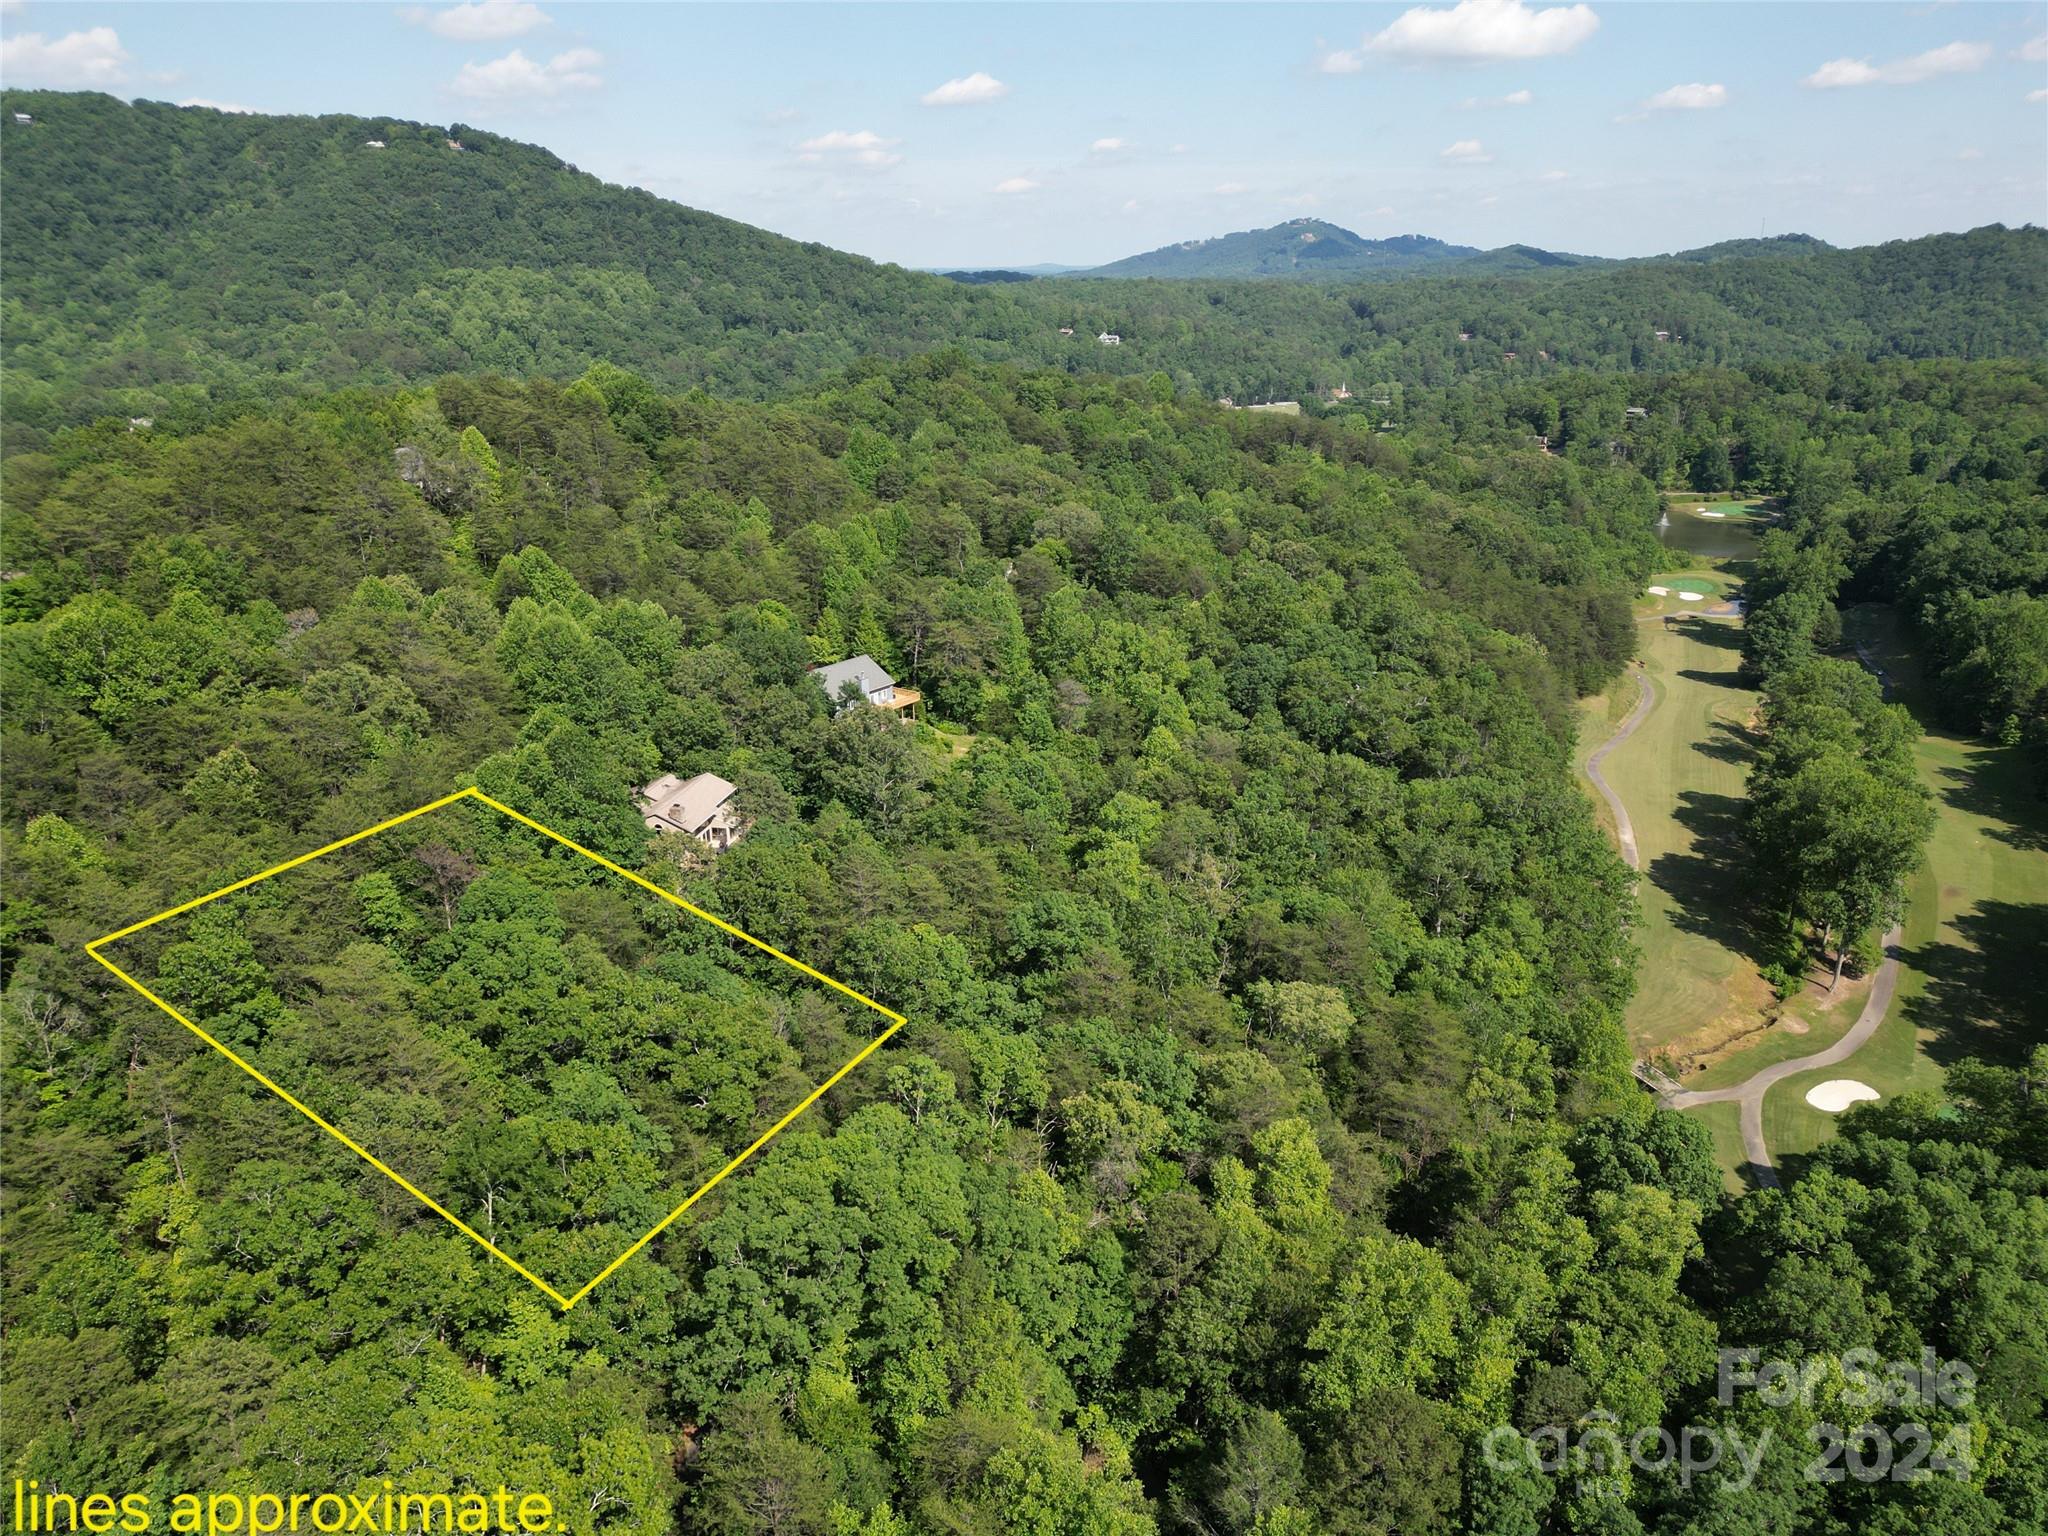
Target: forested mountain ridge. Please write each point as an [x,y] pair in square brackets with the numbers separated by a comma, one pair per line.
[163,260]
[1315,248]
[290,245]
[1318,249]
[1262,1142]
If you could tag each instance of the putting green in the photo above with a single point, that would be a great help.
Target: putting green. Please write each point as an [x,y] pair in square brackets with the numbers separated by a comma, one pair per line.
[1733,508]
[1714,589]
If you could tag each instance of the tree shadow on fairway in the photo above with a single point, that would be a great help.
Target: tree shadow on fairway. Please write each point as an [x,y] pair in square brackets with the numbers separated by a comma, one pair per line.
[1993,785]
[1726,742]
[1982,997]
[1718,636]
[1708,886]
[1717,633]
[1791,1168]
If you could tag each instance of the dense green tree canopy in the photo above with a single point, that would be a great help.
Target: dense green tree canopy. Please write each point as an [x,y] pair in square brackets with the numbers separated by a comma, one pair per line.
[1262,1142]
[163,259]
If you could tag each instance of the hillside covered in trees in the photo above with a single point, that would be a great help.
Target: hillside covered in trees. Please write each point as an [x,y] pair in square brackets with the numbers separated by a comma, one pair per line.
[1262,1144]
[1318,250]
[166,259]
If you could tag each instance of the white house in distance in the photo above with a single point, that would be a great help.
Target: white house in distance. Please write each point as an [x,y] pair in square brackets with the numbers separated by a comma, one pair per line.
[1110,339]
[701,808]
[873,682]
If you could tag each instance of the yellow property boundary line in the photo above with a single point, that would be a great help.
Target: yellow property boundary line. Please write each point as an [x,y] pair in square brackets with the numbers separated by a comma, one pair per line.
[896,1022]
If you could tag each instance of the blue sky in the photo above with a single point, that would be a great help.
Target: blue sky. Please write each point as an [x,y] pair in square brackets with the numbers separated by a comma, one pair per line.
[988,134]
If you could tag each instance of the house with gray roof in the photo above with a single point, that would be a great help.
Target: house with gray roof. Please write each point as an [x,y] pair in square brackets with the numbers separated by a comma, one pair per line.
[864,680]
[701,807]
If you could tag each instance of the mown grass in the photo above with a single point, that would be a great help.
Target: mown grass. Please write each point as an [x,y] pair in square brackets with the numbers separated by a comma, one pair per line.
[1724,1124]
[1681,776]
[1973,980]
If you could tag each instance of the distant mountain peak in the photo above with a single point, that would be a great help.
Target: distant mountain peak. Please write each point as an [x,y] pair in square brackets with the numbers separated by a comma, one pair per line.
[1308,247]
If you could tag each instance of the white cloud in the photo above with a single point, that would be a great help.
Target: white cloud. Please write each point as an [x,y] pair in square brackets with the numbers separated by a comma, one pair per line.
[1230,188]
[1971,153]
[1688,98]
[1108,146]
[1130,205]
[2035,49]
[1010,186]
[218,106]
[2037,95]
[1512,99]
[1180,149]
[839,138]
[479,21]
[968,91]
[516,77]
[1949,59]
[1473,31]
[93,58]
[862,147]
[1679,98]
[1340,61]
[1555,176]
[1466,152]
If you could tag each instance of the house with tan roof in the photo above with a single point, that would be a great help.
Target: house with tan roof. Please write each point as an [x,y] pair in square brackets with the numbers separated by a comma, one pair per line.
[701,807]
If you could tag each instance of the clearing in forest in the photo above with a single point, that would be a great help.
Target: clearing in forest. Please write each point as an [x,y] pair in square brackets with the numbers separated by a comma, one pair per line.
[1702,1004]
[1975,909]
[542,1047]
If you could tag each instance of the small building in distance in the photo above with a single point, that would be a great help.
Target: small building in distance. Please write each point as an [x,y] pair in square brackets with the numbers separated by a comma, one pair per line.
[701,807]
[373,143]
[863,680]
[1110,339]
[23,117]
[1066,330]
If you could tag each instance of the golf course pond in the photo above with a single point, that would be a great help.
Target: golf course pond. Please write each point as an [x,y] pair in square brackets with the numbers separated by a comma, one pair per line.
[1705,537]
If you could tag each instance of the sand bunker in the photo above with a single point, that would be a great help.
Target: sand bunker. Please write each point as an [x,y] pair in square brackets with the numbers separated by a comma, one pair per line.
[1692,597]
[1838,1093]
[1660,591]
[1705,513]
